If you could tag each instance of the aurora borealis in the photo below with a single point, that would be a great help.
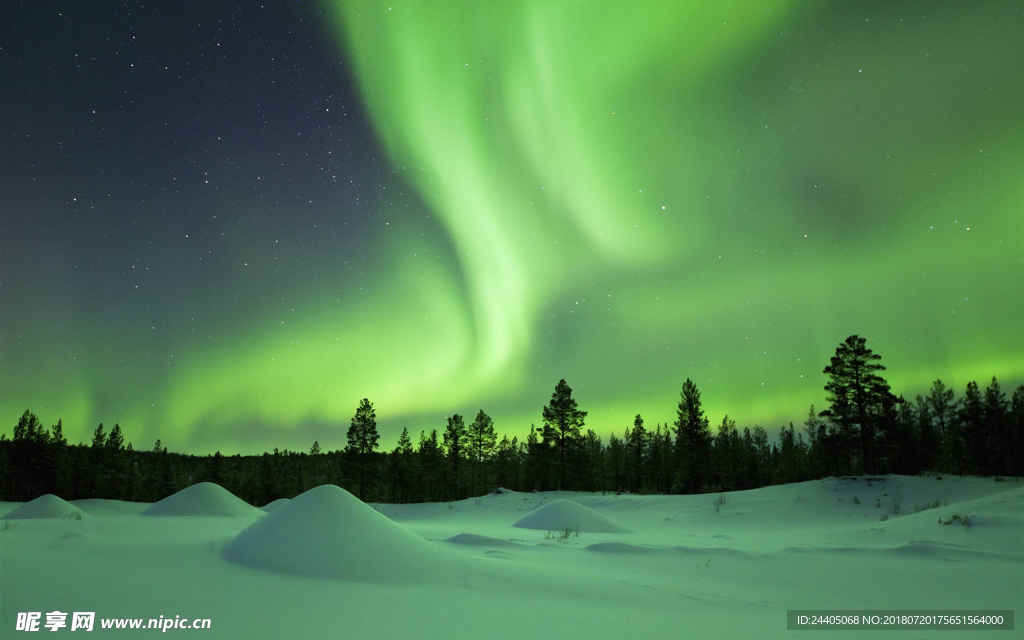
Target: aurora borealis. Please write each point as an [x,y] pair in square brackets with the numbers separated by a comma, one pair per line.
[223,226]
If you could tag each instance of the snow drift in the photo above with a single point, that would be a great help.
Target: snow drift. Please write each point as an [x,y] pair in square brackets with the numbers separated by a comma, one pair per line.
[48,506]
[559,515]
[474,540]
[270,506]
[328,533]
[203,499]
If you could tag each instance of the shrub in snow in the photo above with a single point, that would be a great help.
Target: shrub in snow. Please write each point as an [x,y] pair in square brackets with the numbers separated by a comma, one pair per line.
[895,505]
[719,501]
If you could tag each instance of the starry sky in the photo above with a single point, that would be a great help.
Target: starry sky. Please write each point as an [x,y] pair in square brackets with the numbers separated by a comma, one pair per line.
[223,224]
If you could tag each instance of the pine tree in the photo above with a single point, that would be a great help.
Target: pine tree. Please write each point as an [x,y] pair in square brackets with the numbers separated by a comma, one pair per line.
[454,444]
[115,465]
[668,457]
[562,423]
[693,441]
[762,453]
[216,472]
[21,429]
[435,467]
[789,456]
[904,451]
[997,428]
[931,445]
[503,463]
[61,478]
[616,464]
[115,439]
[725,456]
[97,463]
[480,437]
[636,444]
[362,442]
[315,476]
[859,398]
[401,466]
[655,458]
[819,452]
[536,461]
[480,442]
[943,411]
[32,455]
[99,438]
[593,479]
[1016,419]
[970,425]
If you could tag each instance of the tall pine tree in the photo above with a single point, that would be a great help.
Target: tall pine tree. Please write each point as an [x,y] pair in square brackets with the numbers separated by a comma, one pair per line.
[480,443]
[454,444]
[693,441]
[362,441]
[562,423]
[859,398]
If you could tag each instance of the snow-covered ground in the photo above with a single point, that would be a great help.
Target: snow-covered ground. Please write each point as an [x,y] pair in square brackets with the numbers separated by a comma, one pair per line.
[325,565]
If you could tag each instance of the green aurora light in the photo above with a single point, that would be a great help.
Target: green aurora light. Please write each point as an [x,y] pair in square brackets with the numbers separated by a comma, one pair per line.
[627,195]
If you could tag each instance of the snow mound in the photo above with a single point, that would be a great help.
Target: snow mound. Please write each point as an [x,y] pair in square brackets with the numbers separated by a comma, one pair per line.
[103,508]
[328,533]
[48,506]
[280,502]
[203,499]
[620,547]
[474,540]
[561,514]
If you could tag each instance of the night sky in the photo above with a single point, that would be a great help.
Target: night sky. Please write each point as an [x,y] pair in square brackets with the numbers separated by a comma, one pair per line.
[223,224]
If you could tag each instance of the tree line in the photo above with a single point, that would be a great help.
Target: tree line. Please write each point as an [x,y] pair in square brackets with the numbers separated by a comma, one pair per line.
[864,429]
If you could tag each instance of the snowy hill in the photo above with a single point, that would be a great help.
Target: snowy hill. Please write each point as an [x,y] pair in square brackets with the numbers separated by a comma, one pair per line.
[203,499]
[465,570]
